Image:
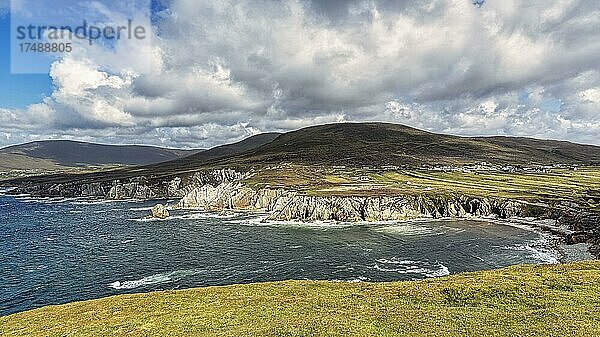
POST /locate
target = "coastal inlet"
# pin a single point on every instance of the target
(62, 250)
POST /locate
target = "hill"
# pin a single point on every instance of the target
(352, 144)
(216, 153)
(546, 300)
(379, 144)
(13, 161)
(55, 154)
(184, 164)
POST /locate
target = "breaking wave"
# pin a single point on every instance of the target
(161, 278)
(423, 268)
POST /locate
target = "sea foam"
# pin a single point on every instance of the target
(160, 278)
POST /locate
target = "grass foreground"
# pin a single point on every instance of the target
(546, 300)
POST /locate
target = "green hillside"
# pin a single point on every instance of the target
(378, 144)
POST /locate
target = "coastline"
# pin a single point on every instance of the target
(568, 252)
(223, 191)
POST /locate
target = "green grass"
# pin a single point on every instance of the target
(553, 300)
(581, 186)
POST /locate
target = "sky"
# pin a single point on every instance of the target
(218, 71)
(18, 91)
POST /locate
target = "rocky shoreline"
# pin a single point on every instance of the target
(225, 189)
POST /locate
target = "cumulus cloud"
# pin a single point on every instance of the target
(222, 70)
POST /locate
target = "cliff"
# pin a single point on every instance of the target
(291, 205)
(227, 189)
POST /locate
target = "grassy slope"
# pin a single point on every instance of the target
(554, 300)
(11, 161)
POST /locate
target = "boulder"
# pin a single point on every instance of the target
(160, 212)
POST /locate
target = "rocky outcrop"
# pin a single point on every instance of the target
(585, 226)
(160, 212)
(290, 205)
(141, 187)
(130, 191)
(229, 195)
(285, 205)
(311, 208)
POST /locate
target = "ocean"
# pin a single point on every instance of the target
(54, 251)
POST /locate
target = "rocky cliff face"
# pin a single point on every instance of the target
(585, 226)
(290, 205)
(284, 205)
(351, 209)
(229, 195)
(135, 188)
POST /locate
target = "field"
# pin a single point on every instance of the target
(581, 186)
(551, 300)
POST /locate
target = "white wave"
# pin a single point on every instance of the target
(4, 190)
(394, 260)
(408, 229)
(354, 280)
(96, 202)
(140, 209)
(442, 271)
(24, 197)
(75, 212)
(154, 279)
(127, 241)
(28, 201)
(54, 201)
(453, 229)
(317, 225)
(148, 219)
(426, 269)
(28, 198)
(536, 251)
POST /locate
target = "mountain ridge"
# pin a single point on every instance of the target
(380, 144)
(360, 145)
(67, 153)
